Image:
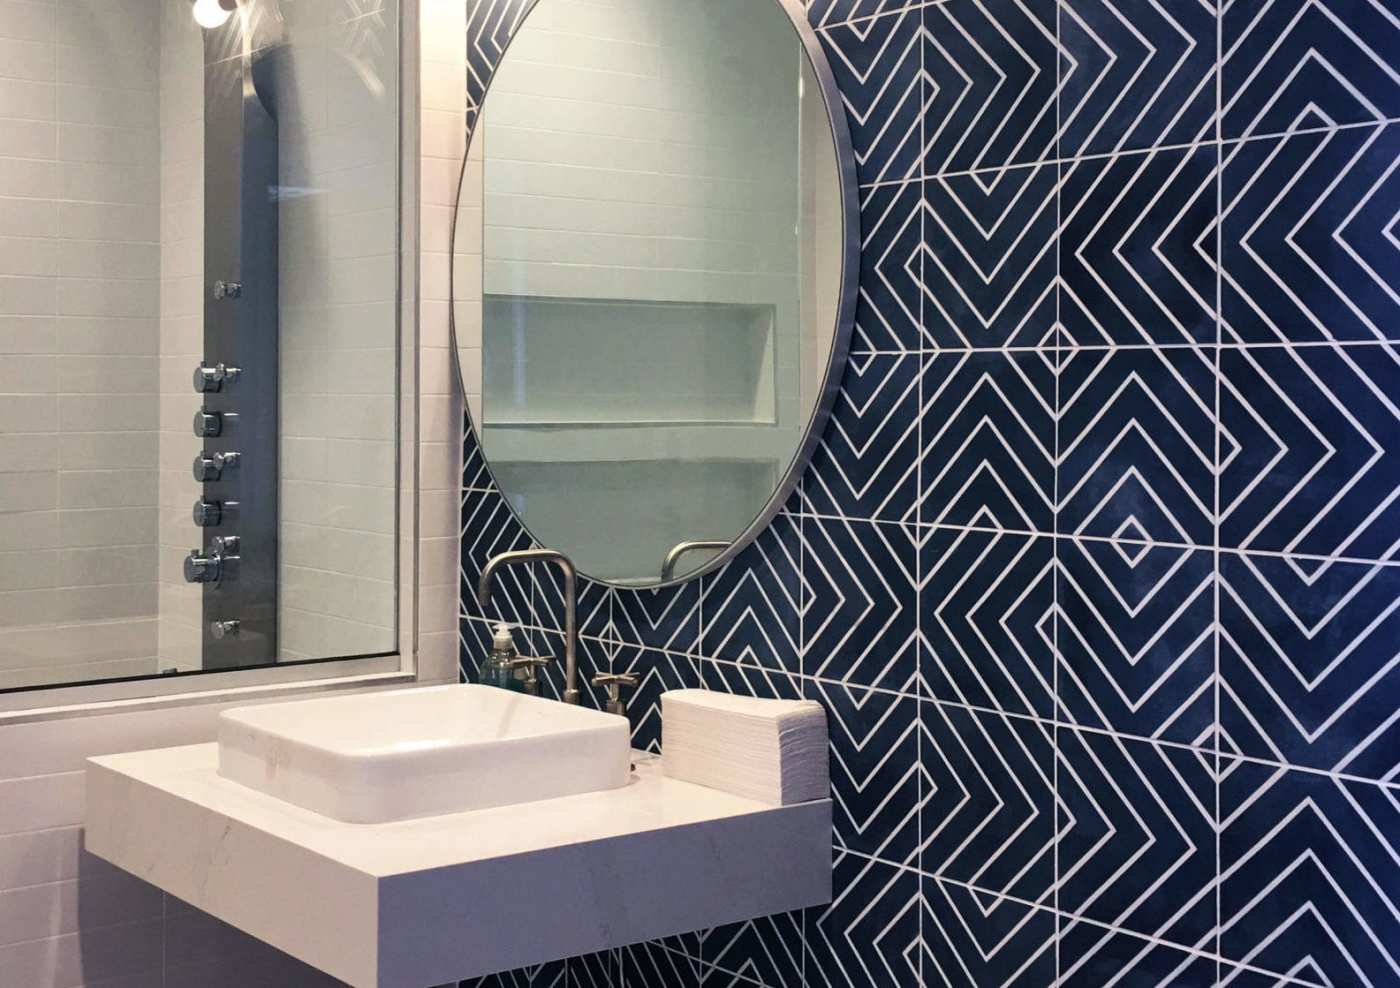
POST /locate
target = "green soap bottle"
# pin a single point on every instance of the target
(497, 669)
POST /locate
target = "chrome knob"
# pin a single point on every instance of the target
(226, 545)
(208, 378)
(207, 514)
(200, 568)
(211, 467)
(207, 423)
(225, 629)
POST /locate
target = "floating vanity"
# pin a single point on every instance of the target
(415, 902)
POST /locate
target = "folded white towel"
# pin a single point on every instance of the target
(770, 750)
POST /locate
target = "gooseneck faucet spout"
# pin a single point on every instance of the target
(565, 564)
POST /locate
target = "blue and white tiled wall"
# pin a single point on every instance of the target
(1097, 570)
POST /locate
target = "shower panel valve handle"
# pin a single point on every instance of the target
(207, 467)
(207, 379)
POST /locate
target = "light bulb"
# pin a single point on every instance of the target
(210, 13)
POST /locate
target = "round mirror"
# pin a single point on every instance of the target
(655, 250)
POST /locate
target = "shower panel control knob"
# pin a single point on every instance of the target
(208, 378)
(225, 629)
(207, 467)
(208, 514)
(207, 423)
(200, 568)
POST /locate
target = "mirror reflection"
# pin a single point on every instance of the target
(647, 276)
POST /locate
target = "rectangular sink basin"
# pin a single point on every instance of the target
(399, 755)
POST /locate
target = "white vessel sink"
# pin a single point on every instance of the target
(381, 757)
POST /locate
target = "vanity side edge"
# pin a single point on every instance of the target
(481, 917)
(319, 911)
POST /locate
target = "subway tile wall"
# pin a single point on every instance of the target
(79, 339)
(1095, 569)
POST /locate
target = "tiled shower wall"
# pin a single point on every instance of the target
(1095, 570)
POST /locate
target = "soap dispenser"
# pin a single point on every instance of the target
(498, 668)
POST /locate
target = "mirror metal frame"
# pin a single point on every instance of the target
(845, 311)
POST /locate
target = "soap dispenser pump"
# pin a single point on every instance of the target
(498, 668)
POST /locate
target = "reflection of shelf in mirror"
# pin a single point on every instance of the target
(574, 361)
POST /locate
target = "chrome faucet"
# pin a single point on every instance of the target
(524, 556)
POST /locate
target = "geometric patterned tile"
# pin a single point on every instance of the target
(1310, 450)
(988, 816)
(1137, 836)
(875, 778)
(989, 258)
(1310, 662)
(1307, 63)
(765, 951)
(986, 619)
(1093, 957)
(891, 269)
(991, 73)
(824, 12)
(868, 937)
(858, 606)
(876, 65)
(657, 673)
(988, 440)
(1137, 75)
(1308, 250)
(866, 464)
(1310, 875)
(1136, 638)
(1137, 248)
(653, 964)
(975, 941)
(1137, 445)
(750, 607)
(666, 619)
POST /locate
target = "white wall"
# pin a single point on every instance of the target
(79, 334)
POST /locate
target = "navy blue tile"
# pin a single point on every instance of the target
(1137, 445)
(989, 440)
(593, 601)
(875, 777)
(749, 679)
(1308, 662)
(891, 268)
(750, 606)
(1308, 250)
(1137, 836)
(656, 672)
(989, 267)
(991, 70)
(1307, 63)
(476, 475)
(858, 607)
(972, 940)
(1310, 450)
(488, 529)
(1309, 876)
(988, 818)
(1137, 75)
(825, 12)
(869, 936)
(866, 465)
(876, 63)
(655, 966)
(667, 618)
(600, 970)
(1137, 248)
(489, 30)
(594, 656)
(1136, 638)
(1092, 956)
(766, 951)
(986, 618)
(551, 975)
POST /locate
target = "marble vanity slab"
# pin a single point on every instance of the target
(425, 901)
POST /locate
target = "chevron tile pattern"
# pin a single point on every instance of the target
(1096, 569)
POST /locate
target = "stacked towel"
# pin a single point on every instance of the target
(770, 750)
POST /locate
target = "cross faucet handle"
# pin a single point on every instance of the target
(614, 681)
